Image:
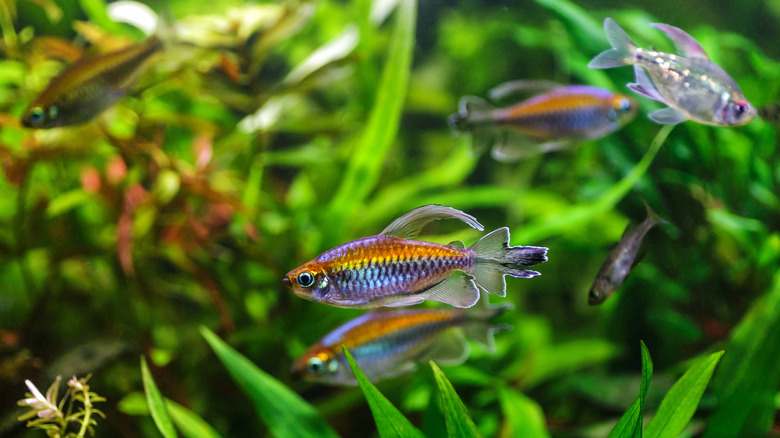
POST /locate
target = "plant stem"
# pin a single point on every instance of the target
(87, 414)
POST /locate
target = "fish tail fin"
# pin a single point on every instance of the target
(622, 48)
(478, 326)
(495, 259)
(653, 216)
(475, 115)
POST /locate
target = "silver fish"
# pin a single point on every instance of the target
(621, 259)
(691, 85)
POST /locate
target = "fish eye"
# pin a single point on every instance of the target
(740, 108)
(37, 115)
(315, 365)
(594, 296)
(305, 279)
(623, 105)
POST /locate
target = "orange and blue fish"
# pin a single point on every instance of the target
(546, 122)
(88, 86)
(385, 344)
(393, 269)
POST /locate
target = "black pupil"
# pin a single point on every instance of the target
(37, 115)
(315, 366)
(741, 108)
(305, 279)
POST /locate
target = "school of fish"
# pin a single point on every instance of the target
(394, 268)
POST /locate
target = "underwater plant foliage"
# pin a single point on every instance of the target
(260, 135)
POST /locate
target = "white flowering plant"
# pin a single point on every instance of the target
(55, 418)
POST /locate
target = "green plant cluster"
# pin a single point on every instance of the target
(274, 131)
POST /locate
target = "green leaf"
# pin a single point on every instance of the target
(189, 423)
(456, 416)
(390, 422)
(523, 416)
(156, 403)
(284, 412)
(749, 376)
(681, 401)
(365, 166)
(582, 213)
(630, 424)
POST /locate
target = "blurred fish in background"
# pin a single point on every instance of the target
(547, 122)
(693, 87)
(389, 343)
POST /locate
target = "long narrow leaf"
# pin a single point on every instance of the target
(365, 165)
(284, 412)
(390, 422)
(189, 423)
(681, 401)
(630, 424)
(156, 403)
(456, 416)
(749, 375)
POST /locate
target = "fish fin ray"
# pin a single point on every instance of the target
(451, 348)
(521, 86)
(405, 301)
(685, 44)
(495, 259)
(622, 48)
(458, 290)
(667, 116)
(412, 222)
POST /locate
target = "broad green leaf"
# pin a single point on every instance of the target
(365, 165)
(156, 403)
(581, 213)
(456, 416)
(523, 416)
(284, 412)
(586, 30)
(630, 424)
(749, 376)
(681, 401)
(390, 422)
(189, 423)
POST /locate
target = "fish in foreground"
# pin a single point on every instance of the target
(88, 86)
(693, 87)
(543, 123)
(392, 269)
(621, 259)
(385, 344)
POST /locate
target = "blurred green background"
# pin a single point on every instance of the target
(237, 158)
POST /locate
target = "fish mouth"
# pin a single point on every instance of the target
(287, 282)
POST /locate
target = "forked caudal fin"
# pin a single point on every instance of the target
(621, 51)
(495, 259)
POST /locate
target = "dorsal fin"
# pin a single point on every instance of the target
(410, 224)
(684, 43)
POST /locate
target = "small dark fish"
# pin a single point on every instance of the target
(621, 259)
(693, 87)
(545, 122)
(88, 86)
(393, 269)
(389, 343)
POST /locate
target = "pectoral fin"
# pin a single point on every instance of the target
(410, 224)
(667, 116)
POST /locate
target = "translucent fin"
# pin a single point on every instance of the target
(621, 51)
(478, 327)
(404, 301)
(457, 244)
(508, 152)
(457, 290)
(667, 116)
(684, 43)
(450, 348)
(410, 224)
(521, 86)
(644, 85)
(495, 258)
(472, 111)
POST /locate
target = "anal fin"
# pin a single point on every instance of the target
(458, 290)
